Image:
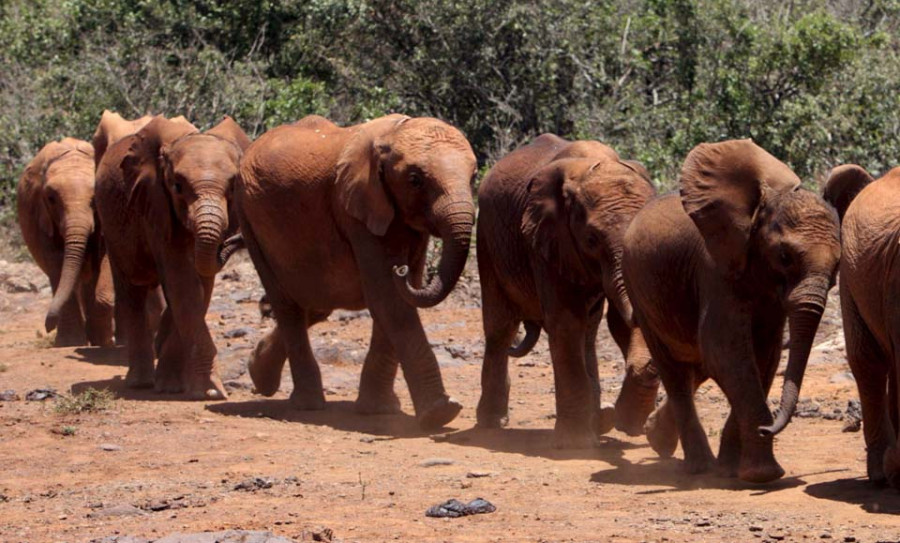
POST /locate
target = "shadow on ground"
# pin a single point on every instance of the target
(535, 442)
(338, 415)
(120, 390)
(859, 491)
(102, 356)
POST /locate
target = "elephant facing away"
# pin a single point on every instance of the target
(551, 224)
(713, 274)
(340, 218)
(163, 196)
(869, 288)
(56, 215)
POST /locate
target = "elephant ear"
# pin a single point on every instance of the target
(638, 168)
(843, 184)
(545, 222)
(142, 168)
(359, 180)
(32, 181)
(722, 187)
(229, 130)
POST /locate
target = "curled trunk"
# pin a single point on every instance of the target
(455, 226)
(76, 240)
(532, 333)
(807, 302)
(210, 221)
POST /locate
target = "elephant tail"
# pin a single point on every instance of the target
(532, 333)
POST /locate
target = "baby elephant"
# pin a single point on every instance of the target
(550, 230)
(713, 273)
(869, 290)
(56, 214)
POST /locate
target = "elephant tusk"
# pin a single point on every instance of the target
(401, 271)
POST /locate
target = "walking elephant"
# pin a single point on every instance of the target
(163, 196)
(869, 288)
(713, 274)
(550, 230)
(56, 215)
(340, 218)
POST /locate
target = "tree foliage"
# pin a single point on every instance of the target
(813, 81)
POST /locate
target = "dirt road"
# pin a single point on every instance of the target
(151, 466)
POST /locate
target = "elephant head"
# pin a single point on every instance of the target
(843, 184)
(63, 175)
(765, 234)
(416, 172)
(191, 174)
(576, 215)
(112, 128)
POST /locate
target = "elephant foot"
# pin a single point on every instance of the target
(264, 371)
(875, 460)
(573, 435)
(604, 420)
(891, 466)
(307, 400)
(700, 463)
(139, 377)
(491, 416)
(439, 413)
(371, 404)
(69, 341)
(206, 388)
(761, 472)
(661, 434)
(168, 383)
(727, 465)
(629, 424)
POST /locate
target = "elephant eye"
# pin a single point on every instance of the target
(416, 180)
(785, 258)
(593, 240)
(176, 186)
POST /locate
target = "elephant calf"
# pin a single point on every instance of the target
(163, 198)
(552, 219)
(713, 273)
(55, 210)
(870, 287)
(327, 214)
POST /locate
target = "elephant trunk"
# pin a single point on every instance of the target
(807, 303)
(614, 284)
(532, 333)
(230, 246)
(76, 240)
(455, 222)
(210, 222)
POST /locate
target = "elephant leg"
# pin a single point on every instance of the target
(376, 384)
(131, 299)
(99, 302)
(574, 395)
(267, 362)
(188, 298)
(156, 305)
(637, 398)
(172, 352)
(500, 327)
(604, 418)
(70, 331)
(308, 394)
(400, 323)
(680, 383)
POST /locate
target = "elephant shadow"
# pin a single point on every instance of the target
(339, 415)
(669, 474)
(121, 391)
(535, 442)
(858, 490)
(101, 356)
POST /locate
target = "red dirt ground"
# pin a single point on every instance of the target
(175, 465)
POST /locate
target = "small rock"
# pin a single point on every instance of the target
(41, 394)
(237, 332)
(234, 384)
(465, 484)
(124, 510)
(109, 447)
(9, 396)
(755, 528)
(431, 462)
(454, 508)
(229, 536)
(853, 417)
(777, 535)
(702, 523)
(842, 377)
(477, 474)
(254, 484)
(322, 534)
(849, 539)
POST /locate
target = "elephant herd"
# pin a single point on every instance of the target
(697, 284)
